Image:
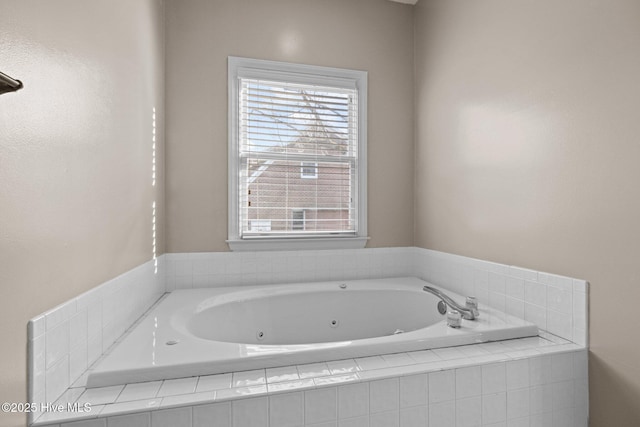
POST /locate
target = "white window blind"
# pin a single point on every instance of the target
(286, 130)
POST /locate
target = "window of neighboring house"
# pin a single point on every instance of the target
(289, 123)
(297, 218)
(308, 170)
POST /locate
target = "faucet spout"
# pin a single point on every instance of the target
(470, 312)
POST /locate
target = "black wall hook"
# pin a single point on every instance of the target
(8, 84)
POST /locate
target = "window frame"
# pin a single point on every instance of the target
(294, 73)
(313, 165)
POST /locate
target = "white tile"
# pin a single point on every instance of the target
(469, 412)
(59, 314)
(78, 329)
(562, 366)
(286, 410)
(497, 283)
(494, 378)
(535, 293)
(540, 370)
(213, 382)
(541, 420)
(384, 395)
(69, 396)
(171, 417)
(238, 392)
(519, 422)
(139, 391)
(415, 416)
(442, 414)
(468, 382)
(188, 399)
(312, 370)
(580, 286)
(100, 422)
(371, 363)
(212, 415)
(413, 390)
(250, 412)
(424, 356)
(580, 364)
(327, 424)
(354, 422)
(442, 386)
(287, 373)
(562, 417)
(77, 362)
(353, 400)
(94, 348)
(498, 301)
(560, 300)
(580, 310)
(300, 385)
(385, 419)
(563, 395)
(343, 366)
(523, 273)
(514, 307)
(560, 324)
(517, 374)
(57, 379)
(101, 395)
(36, 327)
(37, 370)
(540, 399)
(249, 378)
(449, 353)
(321, 405)
(336, 379)
(177, 386)
(515, 287)
(494, 408)
(57, 343)
(518, 403)
(398, 359)
(133, 420)
(128, 407)
(536, 315)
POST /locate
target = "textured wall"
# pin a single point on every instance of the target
(75, 157)
(526, 154)
(371, 35)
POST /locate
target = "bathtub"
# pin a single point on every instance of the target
(209, 331)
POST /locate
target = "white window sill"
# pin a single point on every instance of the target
(316, 243)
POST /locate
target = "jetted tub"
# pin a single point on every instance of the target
(209, 331)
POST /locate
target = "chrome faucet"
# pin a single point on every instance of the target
(469, 312)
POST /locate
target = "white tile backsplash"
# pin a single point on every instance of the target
(67, 339)
(72, 336)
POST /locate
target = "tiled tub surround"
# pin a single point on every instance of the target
(537, 382)
(67, 339)
(554, 303)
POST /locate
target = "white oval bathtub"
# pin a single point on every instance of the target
(209, 331)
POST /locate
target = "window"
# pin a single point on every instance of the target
(297, 156)
(297, 219)
(308, 170)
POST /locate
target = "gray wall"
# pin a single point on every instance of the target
(527, 148)
(371, 35)
(75, 157)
